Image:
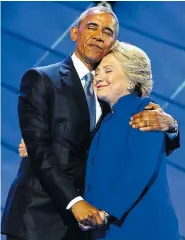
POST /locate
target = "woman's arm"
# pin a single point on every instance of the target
(144, 151)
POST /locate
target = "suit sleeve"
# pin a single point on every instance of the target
(34, 120)
(172, 144)
(135, 171)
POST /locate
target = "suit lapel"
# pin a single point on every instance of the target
(70, 77)
(105, 110)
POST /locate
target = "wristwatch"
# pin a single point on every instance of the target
(173, 128)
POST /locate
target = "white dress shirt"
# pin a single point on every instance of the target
(82, 70)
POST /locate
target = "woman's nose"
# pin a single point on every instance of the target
(98, 81)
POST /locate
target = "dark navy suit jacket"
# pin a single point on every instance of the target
(121, 162)
(54, 121)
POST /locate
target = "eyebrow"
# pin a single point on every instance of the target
(97, 69)
(107, 66)
(96, 25)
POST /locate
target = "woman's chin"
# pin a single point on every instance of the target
(102, 97)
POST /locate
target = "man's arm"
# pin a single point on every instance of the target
(33, 110)
(34, 119)
(153, 118)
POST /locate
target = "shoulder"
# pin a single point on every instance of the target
(41, 75)
(48, 70)
(143, 102)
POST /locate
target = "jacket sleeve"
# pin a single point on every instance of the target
(34, 120)
(172, 144)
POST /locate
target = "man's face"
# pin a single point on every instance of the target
(94, 37)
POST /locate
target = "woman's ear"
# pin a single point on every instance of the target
(131, 87)
(74, 33)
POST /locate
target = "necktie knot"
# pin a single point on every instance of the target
(88, 77)
(88, 83)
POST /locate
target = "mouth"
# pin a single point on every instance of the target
(95, 46)
(101, 86)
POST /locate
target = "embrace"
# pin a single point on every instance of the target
(94, 157)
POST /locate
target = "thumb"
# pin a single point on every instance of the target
(152, 106)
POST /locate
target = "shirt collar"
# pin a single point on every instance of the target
(81, 69)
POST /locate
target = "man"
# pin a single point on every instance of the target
(58, 112)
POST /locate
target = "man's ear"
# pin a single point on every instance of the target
(74, 33)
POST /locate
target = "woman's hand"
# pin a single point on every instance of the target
(22, 149)
(93, 224)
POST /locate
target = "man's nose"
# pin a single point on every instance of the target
(98, 36)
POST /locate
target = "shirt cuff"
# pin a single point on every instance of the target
(172, 135)
(73, 202)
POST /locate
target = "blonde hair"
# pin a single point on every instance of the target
(98, 9)
(137, 66)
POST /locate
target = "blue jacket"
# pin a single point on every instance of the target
(120, 164)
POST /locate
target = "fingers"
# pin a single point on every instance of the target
(86, 219)
(86, 214)
(145, 129)
(98, 218)
(23, 154)
(144, 115)
(146, 121)
(102, 215)
(91, 219)
(153, 124)
(22, 149)
(152, 106)
(84, 228)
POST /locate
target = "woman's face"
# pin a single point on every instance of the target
(110, 81)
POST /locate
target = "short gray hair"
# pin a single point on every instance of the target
(137, 66)
(98, 9)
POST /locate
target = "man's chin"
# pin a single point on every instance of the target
(93, 59)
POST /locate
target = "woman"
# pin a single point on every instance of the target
(124, 162)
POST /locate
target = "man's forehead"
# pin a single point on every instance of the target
(99, 16)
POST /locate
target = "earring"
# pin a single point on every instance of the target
(131, 87)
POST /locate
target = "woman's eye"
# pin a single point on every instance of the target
(108, 71)
(108, 33)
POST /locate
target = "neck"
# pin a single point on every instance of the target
(90, 66)
(114, 101)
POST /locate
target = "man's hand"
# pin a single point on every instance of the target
(153, 118)
(90, 227)
(22, 149)
(86, 213)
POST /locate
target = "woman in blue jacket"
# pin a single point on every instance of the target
(123, 162)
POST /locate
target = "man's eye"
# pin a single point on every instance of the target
(108, 33)
(108, 71)
(92, 27)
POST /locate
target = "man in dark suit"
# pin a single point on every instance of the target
(59, 113)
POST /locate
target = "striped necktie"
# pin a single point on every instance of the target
(90, 96)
